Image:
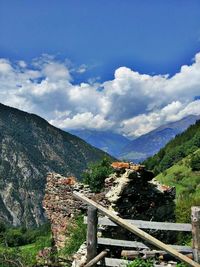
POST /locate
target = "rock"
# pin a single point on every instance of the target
(79, 258)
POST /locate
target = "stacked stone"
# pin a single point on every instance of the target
(61, 206)
(132, 194)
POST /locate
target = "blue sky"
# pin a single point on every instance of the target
(149, 36)
(89, 41)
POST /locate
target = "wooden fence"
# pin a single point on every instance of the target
(188, 255)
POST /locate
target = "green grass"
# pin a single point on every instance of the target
(147, 263)
(76, 236)
(140, 263)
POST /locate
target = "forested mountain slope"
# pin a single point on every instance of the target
(29, 148)
(185, 176)
(178, 148)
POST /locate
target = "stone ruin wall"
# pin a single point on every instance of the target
(60, 205)
(129, 191)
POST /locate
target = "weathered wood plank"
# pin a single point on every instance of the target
(183, 227)
(195, 218)
(135, 244)
(133, 254)
(121, 243)
(91, 233)
(132, 228)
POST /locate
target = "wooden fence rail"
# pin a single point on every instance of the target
(135, 228)
(165, 226)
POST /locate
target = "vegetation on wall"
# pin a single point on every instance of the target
(96, 173)
(76, 233)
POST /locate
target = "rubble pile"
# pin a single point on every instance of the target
(133, 194)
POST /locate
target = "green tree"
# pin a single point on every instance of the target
(14, 237)
(95, 175)
(195, 162)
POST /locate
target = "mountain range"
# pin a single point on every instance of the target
(107, 141)
(29, 148)
(141, 147)
(150, 143)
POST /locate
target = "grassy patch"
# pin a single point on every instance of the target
(77, 235)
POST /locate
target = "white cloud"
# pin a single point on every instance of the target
(83, 121)
(82, 69)
(55, 71)
(22, 64)
(5, 67)
(132, 103)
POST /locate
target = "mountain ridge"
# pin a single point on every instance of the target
(140, 148)
(175, 150)
(29, 148)
(105, 140)
(150, 143)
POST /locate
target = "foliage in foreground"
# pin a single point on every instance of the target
(19, 246)
(96, 174)
(147, 263)
(140, 263)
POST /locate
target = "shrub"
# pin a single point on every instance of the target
(195, 162)
(96, 174)
(14, 237)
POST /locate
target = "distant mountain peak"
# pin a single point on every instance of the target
(107, 141)
(150, 143)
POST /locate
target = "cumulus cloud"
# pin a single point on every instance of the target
(80, 120)
(131, 103)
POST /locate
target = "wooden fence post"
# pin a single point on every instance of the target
(92, 233)
(195, 218)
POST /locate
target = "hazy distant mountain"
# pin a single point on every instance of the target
(107, 141)
(150, 143)
(29, 148)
